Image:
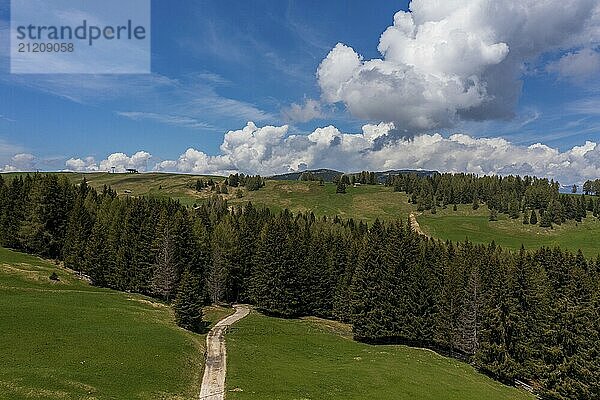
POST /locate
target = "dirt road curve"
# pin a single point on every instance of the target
(213, 381)
(415, 225)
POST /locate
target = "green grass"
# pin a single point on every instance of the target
(364, 203)
(66, 339)
(361, 203)
(275, 359)
(510, 233)
(157, 185)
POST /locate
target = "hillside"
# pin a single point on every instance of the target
(474, 225)
(367, 203)
(274, 359)
(65, 339)
(328, 175)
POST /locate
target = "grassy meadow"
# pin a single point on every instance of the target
(364, 203)
(361, 203)
(65, 339)
(474, 225)
(276, 359)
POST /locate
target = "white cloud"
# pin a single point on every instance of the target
(578, 66)
(121, 161)
(311, 109)
(585, 107)
(20, 162)
(451, 60)
(174, 120)
(189, 101)
(4, 118)
(9, 168)
(271, 150)
(88, 164)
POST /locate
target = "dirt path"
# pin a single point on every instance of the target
(213, 381)
(415, 225)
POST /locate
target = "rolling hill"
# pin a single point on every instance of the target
(367, 203)
(64, 339)
(311, 358)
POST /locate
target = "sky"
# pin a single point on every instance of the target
(272, 86)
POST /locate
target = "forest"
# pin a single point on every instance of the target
(531, 315)
(514, 196)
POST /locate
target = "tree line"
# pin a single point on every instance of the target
(529, 315)
(592, 187)
(515, 196)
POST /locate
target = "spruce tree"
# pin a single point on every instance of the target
(546, 220)
(275, 286)
(533, 220)
(475, 205)
(371, 290)
(165, 276)
(79, 227)
(188, 304)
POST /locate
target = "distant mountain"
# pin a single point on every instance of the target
(381, 176)
(329, 175)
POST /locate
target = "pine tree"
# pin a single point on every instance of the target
(165, 277)
(275, 286)
(248, 232)
(513, 210)
(496, 351)
(546, 220)
(475, 202)
(79, 227)
(13, 213)
(533, 220)
(371, 290)
(341, 187)
(470, 317)
(223, 272)
(188, 304)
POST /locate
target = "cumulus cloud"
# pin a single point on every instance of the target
(271, 150)
(20, 162)
(87, 164)
(578, 66)
(311, 109)
(119, 161)
(447, 60)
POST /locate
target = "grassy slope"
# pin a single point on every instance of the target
(366, 203)
(70, 340)
(159, 185)
(362, 203)
(474, 225)
(271, 358)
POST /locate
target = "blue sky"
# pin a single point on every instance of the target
(217, 65)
